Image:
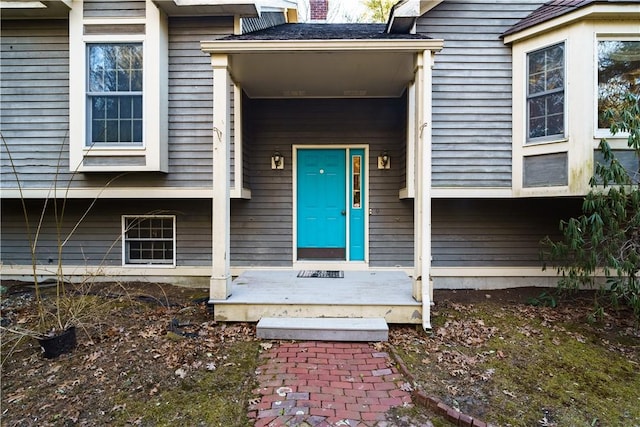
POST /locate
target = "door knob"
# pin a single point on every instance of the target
(343, 212)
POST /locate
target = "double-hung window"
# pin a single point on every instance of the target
(149, 239)
(618, 74)
(114, 94)
(545, 94)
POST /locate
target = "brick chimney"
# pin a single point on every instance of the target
(318, 10)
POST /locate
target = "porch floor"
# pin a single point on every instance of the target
(280, 293)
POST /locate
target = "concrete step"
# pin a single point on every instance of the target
(323, 328)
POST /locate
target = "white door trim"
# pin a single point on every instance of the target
(321, 264)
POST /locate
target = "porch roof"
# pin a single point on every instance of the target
(322, 60)
(559, 8)
(325, 32)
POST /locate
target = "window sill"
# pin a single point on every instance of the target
(606, 133)
(143, 265)
(121, 159)
(546, 142)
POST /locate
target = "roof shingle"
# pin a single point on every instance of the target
(553, 9)
(325, 32)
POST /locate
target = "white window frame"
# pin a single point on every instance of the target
(148, 263)
(547, 138)
(598, 131)
(152, 155)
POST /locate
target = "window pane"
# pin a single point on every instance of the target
(125, 108)
(112, 108)
(112, 127)
(618, 73)
(98, 107)
(98, 130)
(555, 57)
(123, 81)
(537, 107)
(137, 131)
(96, 68)
(536, 62)
(536, 128)
(555, 79)
(125, 130)
(136, 80)
(136, 101)
(555, 103)
(555, 124)
(537, 83)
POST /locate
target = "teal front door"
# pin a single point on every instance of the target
(325, 213)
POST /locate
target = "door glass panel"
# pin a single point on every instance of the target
(355, 182)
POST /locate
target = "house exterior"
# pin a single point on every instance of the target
(191, 141)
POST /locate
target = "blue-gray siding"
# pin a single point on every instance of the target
(114, 8)
(34, 100)
(469, 233)
(472, 91)
(495, 232)
(191, 99)
(34, 106)
(97, 241)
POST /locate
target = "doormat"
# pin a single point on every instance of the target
(322, 274)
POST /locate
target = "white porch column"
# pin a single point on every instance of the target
(422, 207)
(220, 285)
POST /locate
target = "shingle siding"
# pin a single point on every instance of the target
(34, 106)
(472, 91)
(495, 232)
(191, 99)
(97, 239)
(114, 8)
(34, 100)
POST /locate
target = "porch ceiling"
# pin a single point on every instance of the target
(21, 9)
(325, 74)
(322, 68)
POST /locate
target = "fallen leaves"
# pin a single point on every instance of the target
(468, 332)
(131, 355)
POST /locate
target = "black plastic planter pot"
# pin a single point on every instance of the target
(58, 344)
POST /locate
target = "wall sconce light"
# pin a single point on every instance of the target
(277, 160)
(384, 161)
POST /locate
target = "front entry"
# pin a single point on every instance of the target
(330, 204)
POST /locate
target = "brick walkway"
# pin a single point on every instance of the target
(324, 384)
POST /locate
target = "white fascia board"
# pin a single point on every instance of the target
(16, 4)
(112, 193)
(427, 5)
(471, 192)
(212, 2)
(604, 11)
(407, 9)
(275, 5)
(22, 5)
(337, 45)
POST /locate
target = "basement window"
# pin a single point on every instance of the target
(149, 240)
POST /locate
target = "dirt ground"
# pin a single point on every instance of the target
(148, 345)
